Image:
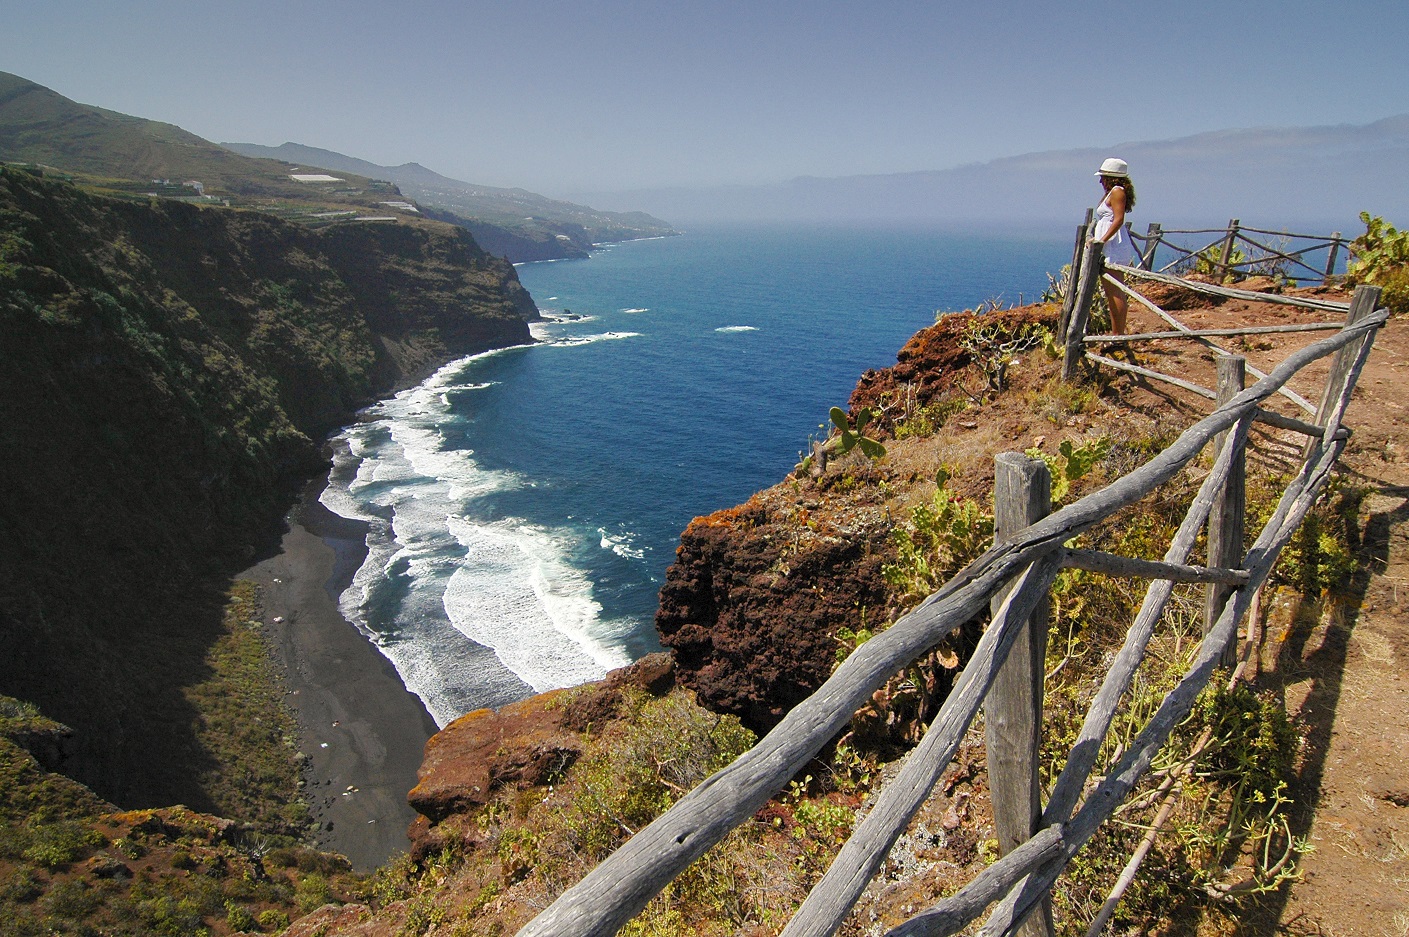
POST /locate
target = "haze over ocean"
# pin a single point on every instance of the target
(526, 503)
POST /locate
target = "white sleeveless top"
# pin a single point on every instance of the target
(1118, 250)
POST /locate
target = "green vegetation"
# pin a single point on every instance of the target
(993, 345)
(532, 843)
(850, 436)
(245, 726)
(1071, 463)
(70, 864)
(167, 369)
(1381, 258)
(941, 538)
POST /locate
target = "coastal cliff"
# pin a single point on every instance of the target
(169, 371)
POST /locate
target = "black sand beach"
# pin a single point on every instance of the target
(363, 732)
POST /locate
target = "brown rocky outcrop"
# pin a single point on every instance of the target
(753, 602)
(752, 606)
(935, 359)
(525, 744)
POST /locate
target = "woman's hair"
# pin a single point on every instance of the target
(1129, 187)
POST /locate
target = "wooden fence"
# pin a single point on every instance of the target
(1011, 581)
(1221, 255)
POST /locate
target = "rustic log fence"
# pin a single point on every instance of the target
(1221, 254)
(1011, 581)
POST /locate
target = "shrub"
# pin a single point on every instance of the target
(1381, 258)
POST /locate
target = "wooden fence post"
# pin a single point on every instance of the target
(1225, 261)
(1083, 230)
(1331, 257)
(1022, 495)
(1152, 237)
(1225, 520)
(1362, 302)
(1092, 266)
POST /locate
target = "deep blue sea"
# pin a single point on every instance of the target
(524, 504)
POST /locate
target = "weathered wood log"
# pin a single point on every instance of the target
(1152, 242)
(1273, 418)
(1291, 510)
(1091, 262)
(1073, 274)
(1121, 672)
(988, 886)
(1112, 564)
(1203, 333)
(1153, 375)
(1331, 257)
(1294, 257)
(951, 915)
(1213, 289)
(1217, 349)
(856, 864)
(1225, 522)
(1022, 495)
(1227, 253)
(1362, 304)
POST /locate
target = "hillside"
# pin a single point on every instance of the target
(765, 597)
(169, 372)
(133, 156)
(514, 223)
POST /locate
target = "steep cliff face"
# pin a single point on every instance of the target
(756, 595)
(763, 599)
(167, 372)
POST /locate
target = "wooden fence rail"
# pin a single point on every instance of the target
(1220, 253)
(1027, 558)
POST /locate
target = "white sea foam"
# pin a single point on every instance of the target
(737, 328)
(635, 310)
(514, 592)
(574, 340)
(622, 544)
(434, 577)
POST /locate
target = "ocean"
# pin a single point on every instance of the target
(524, 504)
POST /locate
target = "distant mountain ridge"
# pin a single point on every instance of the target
(521, 224)
(133, 157)
(1276, 176)
(38, 125)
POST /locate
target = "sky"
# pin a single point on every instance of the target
(582, 96)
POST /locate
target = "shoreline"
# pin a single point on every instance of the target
(362, 732)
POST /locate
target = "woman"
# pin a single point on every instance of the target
(1109, 231)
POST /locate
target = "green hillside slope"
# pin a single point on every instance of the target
(168, 370)
(516, 223)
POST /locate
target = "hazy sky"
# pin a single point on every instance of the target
(567, 97)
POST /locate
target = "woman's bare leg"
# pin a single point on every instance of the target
(1116, 302)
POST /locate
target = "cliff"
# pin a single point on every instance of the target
(762, 596)
(169, 371)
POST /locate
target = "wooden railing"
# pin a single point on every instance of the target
(1220, 254)
(1011, 581)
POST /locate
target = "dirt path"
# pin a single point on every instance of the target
(1345, 676)
(1343, 667)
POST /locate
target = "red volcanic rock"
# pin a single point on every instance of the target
(485, 750)
(525, 744)
(934, 359)
(753, 601)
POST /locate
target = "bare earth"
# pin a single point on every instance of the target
(1342, 668)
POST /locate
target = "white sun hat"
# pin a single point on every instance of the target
(1114, 167)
